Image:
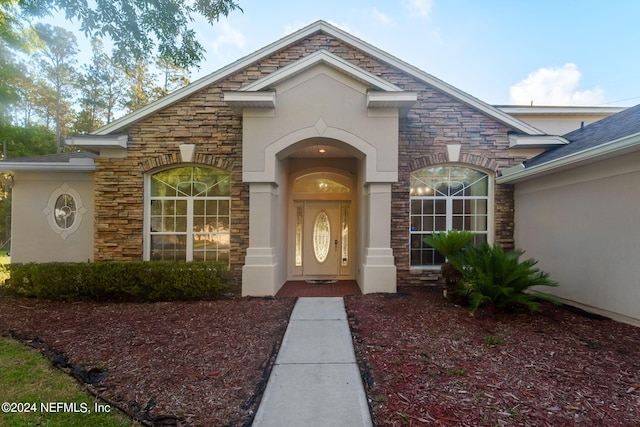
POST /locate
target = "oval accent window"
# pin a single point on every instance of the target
(65, 211)
(321, 236)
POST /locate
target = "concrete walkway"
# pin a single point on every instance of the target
(315, 380)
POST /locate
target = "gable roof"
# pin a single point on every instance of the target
(608, 137)
(121, 124)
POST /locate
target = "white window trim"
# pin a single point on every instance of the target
(490, 197)
(48, 210)
(146, 221)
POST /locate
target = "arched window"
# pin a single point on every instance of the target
(445, 198)
(189, 214)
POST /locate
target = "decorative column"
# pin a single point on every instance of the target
(378, 269)
(259, 273)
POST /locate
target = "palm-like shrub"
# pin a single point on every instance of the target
(450, 245)
(491, 275)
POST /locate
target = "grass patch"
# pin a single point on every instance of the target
(456, 372)
(39, 395)
(5, 260)
(492, 340)
(4, 256)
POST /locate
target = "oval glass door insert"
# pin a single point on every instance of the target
(321, 236)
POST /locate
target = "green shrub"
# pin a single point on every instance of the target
(491, 275)
(450, 245)
(119, 281)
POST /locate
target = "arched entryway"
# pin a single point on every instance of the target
(322, 220)
(289, 116)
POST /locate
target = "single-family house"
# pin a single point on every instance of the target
(317, 156)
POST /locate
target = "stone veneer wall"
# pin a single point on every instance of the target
(434, 122)
(206, 121)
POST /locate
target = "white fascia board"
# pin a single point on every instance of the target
(96, 142)
(322, 56)
(512, 170)
(611, 149)
(239, 100)
(124, 122)
(72, 166)
(559, 111)
(536, 141)
(403, 101)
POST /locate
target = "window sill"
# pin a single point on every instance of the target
(425, 268)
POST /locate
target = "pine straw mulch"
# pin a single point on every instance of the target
(426, 361)
(178, 363)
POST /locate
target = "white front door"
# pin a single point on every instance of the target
(322, 241)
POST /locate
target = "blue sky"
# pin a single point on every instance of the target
(560, 52)
(549, 52)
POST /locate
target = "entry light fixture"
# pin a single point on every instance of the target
(322, 150)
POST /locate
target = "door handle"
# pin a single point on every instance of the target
(335, 244)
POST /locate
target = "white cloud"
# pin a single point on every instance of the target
(419, 8)
(344, 27)
(437, 35)
(382, 18)
(555, 86)
(292, 27)
(227, 36)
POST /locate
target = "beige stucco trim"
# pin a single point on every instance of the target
(280, 148)
(324, 57)
(273, 139)
(536, 141)
(241, 100)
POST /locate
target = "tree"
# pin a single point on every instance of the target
(142, 89)
(91, 91)
(174, 77)
(34, 140)
(10, 74)
(57, 62)
(103, 84)
(115, 85)
(19, 142)
(138, 28)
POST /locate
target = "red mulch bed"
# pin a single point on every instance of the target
(428, 362)
(425, 360)
(200, 363)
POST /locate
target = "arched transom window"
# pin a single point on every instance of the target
(445, 198)
(189, 215)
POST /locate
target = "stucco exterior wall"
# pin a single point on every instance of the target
(583, 227)
(40, 241)
(558, 124)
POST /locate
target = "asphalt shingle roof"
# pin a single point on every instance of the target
(620, 125)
